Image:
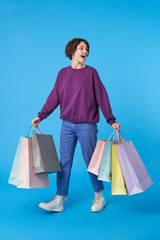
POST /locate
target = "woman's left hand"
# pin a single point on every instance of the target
(117, 126)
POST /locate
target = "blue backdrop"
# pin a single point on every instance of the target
(124, 39)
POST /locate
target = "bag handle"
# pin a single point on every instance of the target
(29, 131)
(40, 129)
(118, 136)
(112, 134)
(115, 136)
(117, 133)
(123, 135)
(33, 129)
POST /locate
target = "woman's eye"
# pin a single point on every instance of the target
(82, 49)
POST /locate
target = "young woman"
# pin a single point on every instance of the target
(80, 92)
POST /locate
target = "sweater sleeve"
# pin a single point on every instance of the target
(102, 99)
(52, 101)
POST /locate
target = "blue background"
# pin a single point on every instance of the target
(124, 39)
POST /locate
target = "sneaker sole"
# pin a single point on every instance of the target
(99, 210)
(55, 210)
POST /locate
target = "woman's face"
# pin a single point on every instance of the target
(81, 52)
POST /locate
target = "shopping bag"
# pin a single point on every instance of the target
(95, 161)
(26, 176)
(44, 154)
(118, 182)
(105, 169)
(135, 174)
(13, 178)
(104, 173)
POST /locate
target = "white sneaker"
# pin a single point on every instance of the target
(98, 203)
(55, 205)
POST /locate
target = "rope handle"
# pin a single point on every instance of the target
(123, 135)
(112, 134)
(34, 130)
(29, 131)
(117, 135)
(41, 130)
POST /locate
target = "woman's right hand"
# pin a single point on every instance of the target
(35, 122)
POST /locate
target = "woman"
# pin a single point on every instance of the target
(80, 92)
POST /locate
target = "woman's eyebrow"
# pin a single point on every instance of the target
(82, 45)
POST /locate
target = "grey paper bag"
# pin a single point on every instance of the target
(44, 154)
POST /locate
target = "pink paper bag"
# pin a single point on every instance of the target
(26, 177)
(95, 161)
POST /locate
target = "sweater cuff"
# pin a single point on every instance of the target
(111, 121)
(40, 116)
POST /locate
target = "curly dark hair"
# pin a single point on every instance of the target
(72, 46)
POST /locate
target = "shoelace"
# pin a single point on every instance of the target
(56, 198)
(97, 198)
(66, 198)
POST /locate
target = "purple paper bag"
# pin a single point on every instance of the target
(135, 174)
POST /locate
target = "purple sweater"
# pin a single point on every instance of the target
(80, 93)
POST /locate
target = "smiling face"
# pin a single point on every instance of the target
(81, 53)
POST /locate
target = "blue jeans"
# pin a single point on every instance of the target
(86, 133)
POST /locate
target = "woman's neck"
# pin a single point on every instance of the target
(77, 65)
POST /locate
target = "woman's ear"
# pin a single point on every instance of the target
(72, 55)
